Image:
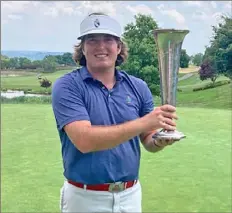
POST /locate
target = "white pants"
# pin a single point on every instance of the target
(74, 199)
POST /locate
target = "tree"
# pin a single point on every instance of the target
(197, 59)
(220, 49)
(207, 71)
(49, 63)
(4, 62)
(184, 59)
(67, 59)
(14, 63)
(142, 60)
(24, 63)
(37, 63)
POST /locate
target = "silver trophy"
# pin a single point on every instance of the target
(169, 43)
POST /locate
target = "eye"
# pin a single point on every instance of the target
(92, 39)
(109, 39)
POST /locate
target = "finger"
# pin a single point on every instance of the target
(170, 141)
(169, 122)
(168, 127)
(163, 142)
(168, 108)
(166, 142)
(169, 115)
(157, 143)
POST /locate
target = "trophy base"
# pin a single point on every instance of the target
(164, 134)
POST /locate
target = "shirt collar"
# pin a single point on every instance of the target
(85, 74)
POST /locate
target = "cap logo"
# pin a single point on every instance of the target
(96, 23)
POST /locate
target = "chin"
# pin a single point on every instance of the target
(103, 65)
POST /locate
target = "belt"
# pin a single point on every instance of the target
(111, 187)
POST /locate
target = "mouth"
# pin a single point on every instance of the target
(101, 55)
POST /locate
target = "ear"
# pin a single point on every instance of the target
(83, 51)
(119, 47)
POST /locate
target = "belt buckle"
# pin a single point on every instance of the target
(116, 187)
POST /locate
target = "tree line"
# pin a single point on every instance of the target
(48, 64)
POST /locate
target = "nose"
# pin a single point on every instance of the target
(100, 43)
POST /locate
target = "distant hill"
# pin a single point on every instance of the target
(32, 55)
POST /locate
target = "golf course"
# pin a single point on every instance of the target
(192, 175)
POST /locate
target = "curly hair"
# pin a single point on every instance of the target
(80, 59)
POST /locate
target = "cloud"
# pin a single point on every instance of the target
(4, 21)
(228, 5)
(64, 8)
(212, 19)
(213, 4)
(200, 16)
(143, 9)
(87, 7)
(194, 3)
(15, 10)
(179, 18)
(14, 17)
(216, 18)
(15, 6)
(52, 11)
(173, 13)
(160, 7)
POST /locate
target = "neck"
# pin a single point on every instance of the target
(106, 76)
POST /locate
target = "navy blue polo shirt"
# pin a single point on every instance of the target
(77, 96)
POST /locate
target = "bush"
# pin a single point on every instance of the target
(155, 89)
(24, 99)
(44, 82)
(212, 85)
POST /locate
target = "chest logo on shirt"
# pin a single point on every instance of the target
(128, 99)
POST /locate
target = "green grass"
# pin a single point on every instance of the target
(193, 175)
(218, 97)
(30, 83)
(190, 69)
(27, 100)
(194, 81)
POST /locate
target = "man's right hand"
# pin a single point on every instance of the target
(162, 117)
(88, 138)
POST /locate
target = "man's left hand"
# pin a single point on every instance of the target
(164, 142)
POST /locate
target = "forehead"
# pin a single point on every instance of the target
(100, 35)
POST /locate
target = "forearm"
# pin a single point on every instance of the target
(95, 138)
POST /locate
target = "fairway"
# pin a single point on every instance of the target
(30, 82)
(193, 175)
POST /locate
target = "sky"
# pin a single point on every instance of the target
(54, 25)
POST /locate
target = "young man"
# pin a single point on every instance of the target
(102, 114)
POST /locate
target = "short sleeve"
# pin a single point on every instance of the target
(67, 103)
(147, 100)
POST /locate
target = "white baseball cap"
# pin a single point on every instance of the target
(96, 24)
